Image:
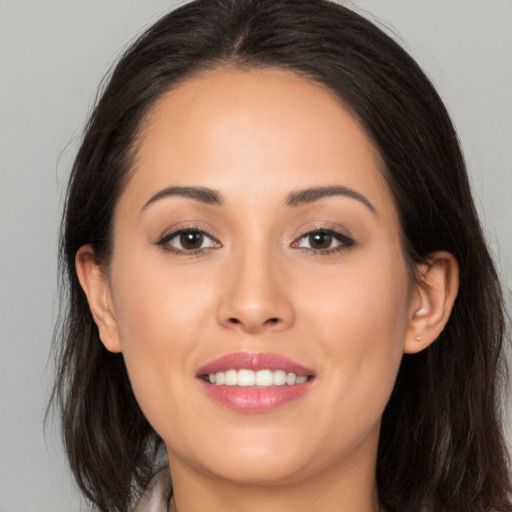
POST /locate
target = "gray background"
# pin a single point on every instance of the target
(53, 54)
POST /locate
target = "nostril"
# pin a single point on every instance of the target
(272, 321)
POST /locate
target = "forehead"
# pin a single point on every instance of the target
(262, 130)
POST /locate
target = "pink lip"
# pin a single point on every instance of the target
(254, 400)
(255, 362)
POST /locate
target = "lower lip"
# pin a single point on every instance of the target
(255, 400)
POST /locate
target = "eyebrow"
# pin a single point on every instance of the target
(300, 197)
(205, 195)
(310, 195)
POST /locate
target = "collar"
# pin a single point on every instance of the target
(157, 494)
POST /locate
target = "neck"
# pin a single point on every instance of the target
(173, 508)
(349, 490)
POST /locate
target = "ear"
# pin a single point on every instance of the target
(96, 286)
(432, 301)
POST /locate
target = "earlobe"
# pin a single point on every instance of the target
(96, 287)
(432, 303)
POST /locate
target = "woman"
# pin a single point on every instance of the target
(277, 274)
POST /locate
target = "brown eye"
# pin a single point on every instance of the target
(191, 240)
(324, 241)
(188, 241)
(320, 240)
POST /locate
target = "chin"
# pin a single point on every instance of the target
(250, 462)
(261, 470)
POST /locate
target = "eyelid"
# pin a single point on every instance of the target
(345, 241)
(166, 238)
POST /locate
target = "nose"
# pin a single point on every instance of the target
(255, 296)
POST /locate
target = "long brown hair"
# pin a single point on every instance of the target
(441, 445)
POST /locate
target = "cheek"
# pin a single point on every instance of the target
(157, 301)
(158, 315)
(154, 311)
(360, 322)
(365, 300)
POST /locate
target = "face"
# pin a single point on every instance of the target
(257, 238)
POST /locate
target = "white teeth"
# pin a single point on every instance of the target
(264, 378)
(246, 378)
(261, 378)
(231, 378)
(279, 378)
(290, 379)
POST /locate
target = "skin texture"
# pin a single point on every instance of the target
(254, 137)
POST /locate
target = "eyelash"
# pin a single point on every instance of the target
(345, 242)
(164, 241)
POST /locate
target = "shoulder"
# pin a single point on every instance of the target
(156, 496)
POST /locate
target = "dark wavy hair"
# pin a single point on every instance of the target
(441, 445)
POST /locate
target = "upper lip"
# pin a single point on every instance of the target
(255, 362)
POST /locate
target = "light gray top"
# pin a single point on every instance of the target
(156, 496)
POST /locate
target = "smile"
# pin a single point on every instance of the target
(254, 383)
